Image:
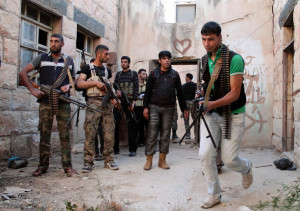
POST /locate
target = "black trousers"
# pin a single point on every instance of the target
(132, 131)
(142, 123)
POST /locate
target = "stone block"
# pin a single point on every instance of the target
(14, 6)
(34, 105)
(4, 148)
(101, 3)
(296, 84)
(8, 76)
(69, 47)
(11, 50)
(3, 4)
(277, 127)
(20, 100)
(88, 6)
(1, 48)
(69, 28)
(297, 133)
(297, 60)
(7, 29)
(10, 122)
(78, 3)
(5, 99)
(111, 22)
(277, 91)
(277, 109)
(297, 108)
(100, 15)
(70, 13)
(30, 121)
(277, 143)
(21, 146)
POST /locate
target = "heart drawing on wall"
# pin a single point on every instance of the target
(182, 46)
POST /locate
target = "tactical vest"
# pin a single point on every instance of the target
(127, 86)
(50, 70)
(216, 92)
(142, 89)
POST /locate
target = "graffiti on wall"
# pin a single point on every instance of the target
(182, 46)
(255, 96)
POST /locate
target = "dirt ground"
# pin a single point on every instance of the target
(131, 188)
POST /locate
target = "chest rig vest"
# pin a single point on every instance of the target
(94, 91)
(142, 89)
(222, 87)
(126, 86)
(54, 73)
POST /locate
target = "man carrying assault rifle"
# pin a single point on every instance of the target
(53, 68)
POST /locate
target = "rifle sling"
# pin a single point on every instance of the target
(213, 77)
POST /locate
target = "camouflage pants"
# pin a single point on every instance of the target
(45, 128)
(190, 105)
(92, 119)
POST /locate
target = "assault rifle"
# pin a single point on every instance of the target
(46, 89)
(110, 95)
(126, 104)
(200, 110)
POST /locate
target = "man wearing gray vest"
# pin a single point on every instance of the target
(50, 66)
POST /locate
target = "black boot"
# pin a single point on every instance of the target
(175, 138)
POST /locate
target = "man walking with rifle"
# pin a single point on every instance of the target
(53, 67)
(93, 79)
(127, 87)
(224, 105)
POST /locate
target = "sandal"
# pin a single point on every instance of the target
(71, 172)
(39, 172)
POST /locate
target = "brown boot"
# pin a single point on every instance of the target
(148, 164)
(162, 161)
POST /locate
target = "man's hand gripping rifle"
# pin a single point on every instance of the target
(47, 89)
(200, 110)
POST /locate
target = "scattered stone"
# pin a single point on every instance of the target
(244, 208)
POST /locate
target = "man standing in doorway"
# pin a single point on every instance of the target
(128, 81)
(92, 118)
(189, 90)
(159, 107)
(50, 66)
(225, 112)
(142, 122)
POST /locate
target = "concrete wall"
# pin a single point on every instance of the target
(18, 109)
(247, 29)
(282, 35)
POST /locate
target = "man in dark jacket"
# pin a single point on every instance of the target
(159, 104)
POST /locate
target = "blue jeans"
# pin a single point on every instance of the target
(229, 149)
(160, 121)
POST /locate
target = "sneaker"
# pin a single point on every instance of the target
(210, 201)
(111, 166)
(86, 168)
(132, 154)
(99, 157)
(71, 172)
(247, 179)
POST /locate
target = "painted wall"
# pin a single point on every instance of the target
(247, 29)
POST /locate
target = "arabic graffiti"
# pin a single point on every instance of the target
(255, 96)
